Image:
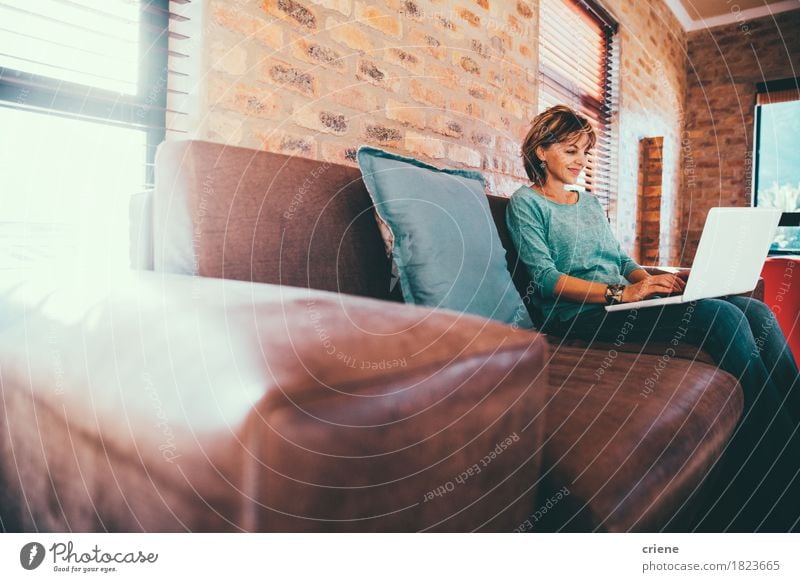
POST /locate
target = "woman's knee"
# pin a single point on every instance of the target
(754, 309)
(716, 312)
(727, 335)
(721, 320)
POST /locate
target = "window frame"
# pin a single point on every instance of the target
(790, 219)
(145, 111)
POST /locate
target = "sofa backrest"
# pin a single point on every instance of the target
(519, 273)
(236, 213)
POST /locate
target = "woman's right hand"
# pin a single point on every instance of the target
(654, 285)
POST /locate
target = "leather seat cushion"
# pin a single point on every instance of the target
(633, 444)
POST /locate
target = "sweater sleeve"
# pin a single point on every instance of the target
(626, 264)
(527, 232)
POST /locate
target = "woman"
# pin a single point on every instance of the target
(577, 267)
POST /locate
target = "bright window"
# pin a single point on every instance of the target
(777, 172)
(82, 108)
(66, 186)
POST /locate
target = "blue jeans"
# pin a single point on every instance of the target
(758, 476)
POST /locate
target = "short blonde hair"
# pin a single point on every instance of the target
(557, 124)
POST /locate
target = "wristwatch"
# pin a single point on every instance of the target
(614, 293)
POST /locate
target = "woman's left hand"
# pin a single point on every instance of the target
(654, 285)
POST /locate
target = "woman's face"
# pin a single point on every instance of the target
(566, 159)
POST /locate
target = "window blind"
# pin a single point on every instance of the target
(779, 91)
(578, 68)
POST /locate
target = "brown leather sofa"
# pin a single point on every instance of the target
(159, 402)
(629, 459)
(266, 377)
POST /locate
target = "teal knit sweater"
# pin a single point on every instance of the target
(564, 239)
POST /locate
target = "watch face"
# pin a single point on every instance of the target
(614, 293)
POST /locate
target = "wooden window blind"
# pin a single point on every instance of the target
(577, 67)
(779, 91)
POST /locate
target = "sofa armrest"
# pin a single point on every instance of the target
(172, 403)
(140, 214)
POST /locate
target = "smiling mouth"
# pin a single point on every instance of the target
(576, 172)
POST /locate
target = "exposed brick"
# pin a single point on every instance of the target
(526, 91)
(415, 98)
(468, 64)
(649, 198)
(382, 134)
(464, 155)
(338, 153)
(514, 24)
(451, 29)
(424, 145)
(225, 127)
(262, 30)
(350, 35)
(230, 59)
(421, 40)
(497, 78)
(405, 113)
(446, 126)
(256, 102)
(479, 48)
(653, 217)
(287, 143)
(424, 93)
(411, 9)
(377, 19)
(407, 60)
(343, 6)
(503, 185)
(501, 41)
(507, 146)
(469, 16)
(518, 169)
(479, 92)
(312, 52)
(482, 139)
(652, 203)
(443, 76)
(291, 11)
(524, 10)
(370, 72)
(324, 121)
(467, 107)
(291, 78)
(356, 98)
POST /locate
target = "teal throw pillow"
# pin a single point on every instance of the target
(446, 247)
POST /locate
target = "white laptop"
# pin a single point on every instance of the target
(729, 258)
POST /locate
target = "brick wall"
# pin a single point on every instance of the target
(724, 66)
(652, 89)
(452, 82)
